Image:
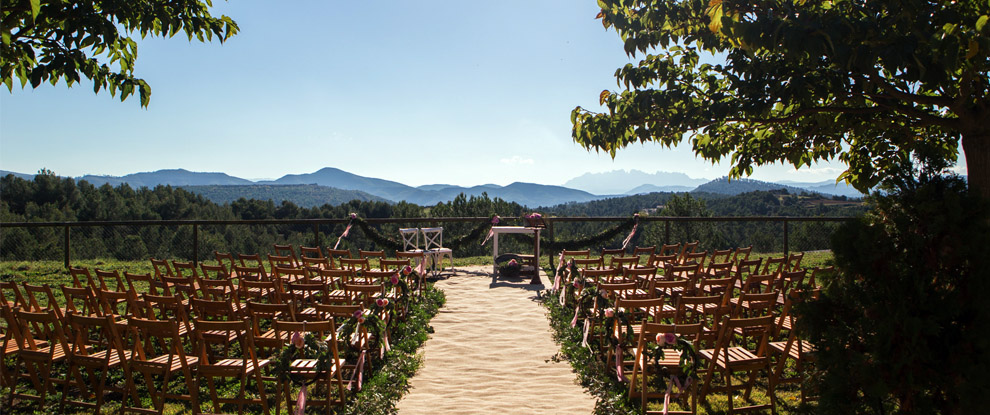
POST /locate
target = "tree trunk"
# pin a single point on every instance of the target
(976, 147)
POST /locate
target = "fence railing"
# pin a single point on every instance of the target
(197, 239)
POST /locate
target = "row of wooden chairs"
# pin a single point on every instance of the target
(182, 310)
(724, 306)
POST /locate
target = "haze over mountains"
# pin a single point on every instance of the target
(335, 186)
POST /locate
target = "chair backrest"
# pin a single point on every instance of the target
(589, 263)
(40, 298)
(752, 327)
(758, 283)
(166, 308)
(742, 254)
(112, 275)
(247, 260)
(34, 326)
(774, 266)
(185, 269)
(266, 290)
(641, 309)
(410, 239)
(371, 254)
(432, 238)
(694, 258)
(755, 304)
(670, 249)
(336, 254)
(155, 338)
(225, 260)
(720, 256)
(315, 263)
(684, 272)
(212, 349)
(354, 263)
(643, 275)
(363, 293)
(688, 248)
(335, 278)
(95, 336)
(395, 264)
(283, 261)
(596, 276)
(251, 273)
(81, 301)
(337, 312)
(661, 261)
(672, 289)
(110, 302)
(286, 251)
(576, 254)
(285, 275)
(161, 268)
(619, 262)
(143, 283)
(794, 261)
(311, 252)
(10, 295)
(817, 274)
(617, 290)
(80, 276)
(222, 310)
(705, 309)
(644, 251)
(613, 252)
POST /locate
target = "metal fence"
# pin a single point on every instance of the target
(195, 240)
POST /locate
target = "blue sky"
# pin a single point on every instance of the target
(453, 92)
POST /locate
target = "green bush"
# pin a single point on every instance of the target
(905, 327)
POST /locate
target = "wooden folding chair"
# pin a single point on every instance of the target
(250, 260)
(730, 356)
(143, 283)
(670, 249)
(619, 262)
(742, 254)
(162, 268)
(644, 251)
(645, 369)
(81, 301)
(80, 277)
(800, 351)
(661, 261)
(335, 255)
(36, 360)
(158, 352)
(96, 349)
(263, 317)
(329, 378)
(687, 249)
(372, 255)
(172, 308)
(216, 362)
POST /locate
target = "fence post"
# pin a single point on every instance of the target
(549, 252)
(316, 235)
(65, 245)
(786, 228)
(195, 245)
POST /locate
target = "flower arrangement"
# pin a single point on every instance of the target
(511, 269)
(688, 361)
(535, 220)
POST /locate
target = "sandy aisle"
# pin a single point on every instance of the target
(489, 354)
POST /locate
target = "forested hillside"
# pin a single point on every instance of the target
(48, 198)
(305, 195)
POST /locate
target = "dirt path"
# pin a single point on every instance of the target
(490, 354)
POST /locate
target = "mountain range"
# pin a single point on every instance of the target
(334, 186)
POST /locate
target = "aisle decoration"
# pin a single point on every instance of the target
(688, 364)
(598, 239)
(301, 346)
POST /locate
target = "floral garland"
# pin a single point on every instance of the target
(303, 347)
(386, 242)
(688, 364)
(593, 240)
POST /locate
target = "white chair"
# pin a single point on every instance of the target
(433, 241)
(410, 239)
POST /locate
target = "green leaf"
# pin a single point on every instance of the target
(981, 22)
(35, 8)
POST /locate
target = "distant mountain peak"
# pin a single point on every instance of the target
(620, 181)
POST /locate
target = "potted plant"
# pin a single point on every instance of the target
(535, 220)
(510, 269)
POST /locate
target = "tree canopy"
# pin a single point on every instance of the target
(51, 40)
(870, 83)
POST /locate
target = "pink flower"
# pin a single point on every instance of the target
(495, 220)
(353, 215)
(297, 340)
(661, 339)
(513, 262)
(382, 302)
(361, 319)
(671, 338)
(578, 284)
(609, 313)
(358, 313)
(395, 279)
(534, 215)
(406, 271)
